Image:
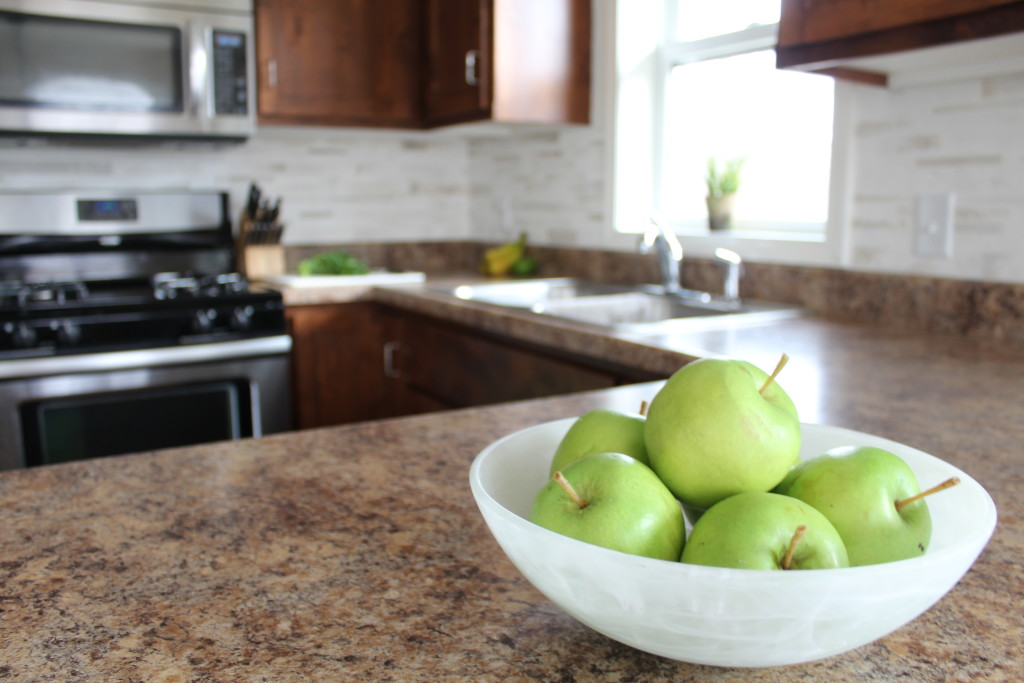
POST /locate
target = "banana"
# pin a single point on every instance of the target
(498, 261)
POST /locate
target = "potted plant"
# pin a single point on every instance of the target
(723, 182)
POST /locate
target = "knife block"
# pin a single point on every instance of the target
(257, 260)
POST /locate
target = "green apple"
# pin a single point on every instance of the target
(601, 431)
(862, 490)
(762, 530)
(719, 427)
(614, 501)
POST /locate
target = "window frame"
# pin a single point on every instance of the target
(640, 62)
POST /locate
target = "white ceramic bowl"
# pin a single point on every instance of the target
(728, 617)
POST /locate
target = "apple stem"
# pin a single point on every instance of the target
(793, 542)
(643, 408)
(949, 483)
(570, 491)
(775, 373)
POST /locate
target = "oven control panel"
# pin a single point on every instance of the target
(107, 210)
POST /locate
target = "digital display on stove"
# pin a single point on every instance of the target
(108, 210)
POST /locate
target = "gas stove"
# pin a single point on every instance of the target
(84, 272)
(125, 328)
(169, 309)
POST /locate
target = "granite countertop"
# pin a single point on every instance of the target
(357, 551)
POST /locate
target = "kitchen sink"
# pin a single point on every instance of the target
(529, 293)
(642, 309)
(629, 308)
(658, 313)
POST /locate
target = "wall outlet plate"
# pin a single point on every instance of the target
(933, 225)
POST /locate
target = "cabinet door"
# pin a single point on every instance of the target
(452, 367)
(458, 74)
(817, 20)
(815, 33)
(345, 62)
(541, 63)
(337, 364)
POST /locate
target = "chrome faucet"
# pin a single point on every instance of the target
(733, 265)
(669, 251)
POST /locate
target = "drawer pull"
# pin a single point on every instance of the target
(472, 56)
(272, 73)
(390, 368)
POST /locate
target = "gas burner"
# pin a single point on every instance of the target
(10, 294)
(171, 285)
(25, 294)
(174, 285)
(223, 283)
(9, 289)
(55, 292)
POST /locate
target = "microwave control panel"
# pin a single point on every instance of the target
(230, 79)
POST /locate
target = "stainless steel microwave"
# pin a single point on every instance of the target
(148, 68)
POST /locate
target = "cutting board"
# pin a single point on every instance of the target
(378, 278)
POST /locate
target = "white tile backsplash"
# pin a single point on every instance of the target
(338, 185)
(550, 183)
(965, 138)
(360, 185)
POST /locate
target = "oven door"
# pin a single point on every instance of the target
(58, 409)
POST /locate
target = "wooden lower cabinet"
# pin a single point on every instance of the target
(363, 361)
(337, 371)
(455, 368)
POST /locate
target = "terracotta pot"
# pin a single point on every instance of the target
(720, 211)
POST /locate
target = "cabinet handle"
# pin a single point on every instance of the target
(471, 59)
(391, 370)
(272, 73)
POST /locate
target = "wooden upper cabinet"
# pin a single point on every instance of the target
(818, 34)
(423, 63)
(344, 62)
(541, 66)
(458, 64)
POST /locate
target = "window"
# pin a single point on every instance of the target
(696, 80)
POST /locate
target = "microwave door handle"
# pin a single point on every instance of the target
(198, 70)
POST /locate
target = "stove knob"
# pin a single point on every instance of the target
(69, 333)
(202, 321)
(23, 336)
(241, 318)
